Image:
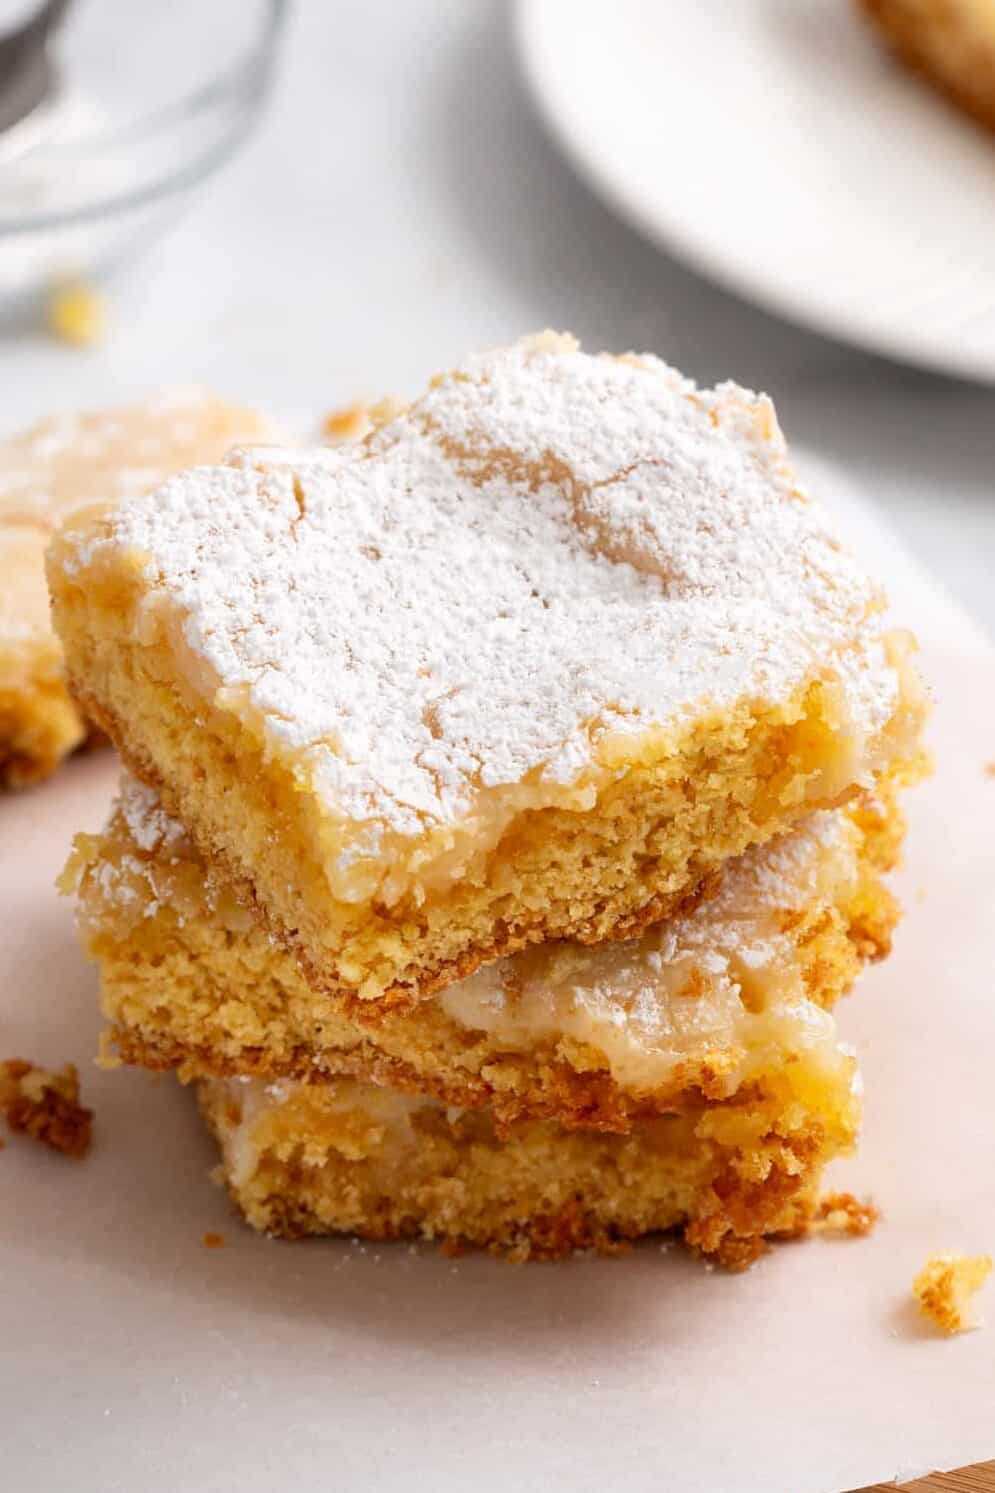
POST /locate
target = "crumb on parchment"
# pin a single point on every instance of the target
(737, 1254)
(46, 1106)
(945, 1285)
(212, 1240)
(841, 1213)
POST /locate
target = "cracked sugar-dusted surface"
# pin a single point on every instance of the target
(548, 549)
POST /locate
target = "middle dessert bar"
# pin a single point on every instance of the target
(695, 1010)
(530, 661)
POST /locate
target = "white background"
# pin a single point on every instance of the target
(401, 205)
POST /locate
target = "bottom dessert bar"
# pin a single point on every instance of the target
(346, 1157)
(48, 472)
(39, 724)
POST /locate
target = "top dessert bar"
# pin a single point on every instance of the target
(529, 661)
(57, 466)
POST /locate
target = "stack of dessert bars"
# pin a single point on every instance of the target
(507, 805)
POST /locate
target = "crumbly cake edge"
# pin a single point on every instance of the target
(574, 1100)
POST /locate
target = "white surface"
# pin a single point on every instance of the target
(135, 1358)
(811, 180)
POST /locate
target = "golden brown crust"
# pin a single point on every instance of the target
(51, 472)
(935, 38)
(544, 1238)
(574, 1099)
(45, 1106)
(538, 1082)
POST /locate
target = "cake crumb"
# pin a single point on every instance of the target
(353, 421)
(990, 769)
(347, 423)
(211, 1240)
(76, 314)
(842, 1214)
(46, 1106)
(945, 1285)
(738, 1254)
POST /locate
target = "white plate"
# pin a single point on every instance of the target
(131, 1358)
(774, 146)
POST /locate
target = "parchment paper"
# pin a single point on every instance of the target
(132, 1358)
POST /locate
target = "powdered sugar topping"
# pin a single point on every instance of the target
(548, 550)
(151, 828)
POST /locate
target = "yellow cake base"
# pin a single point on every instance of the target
(349, 1158)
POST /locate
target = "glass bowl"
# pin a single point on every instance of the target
(151, 100)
